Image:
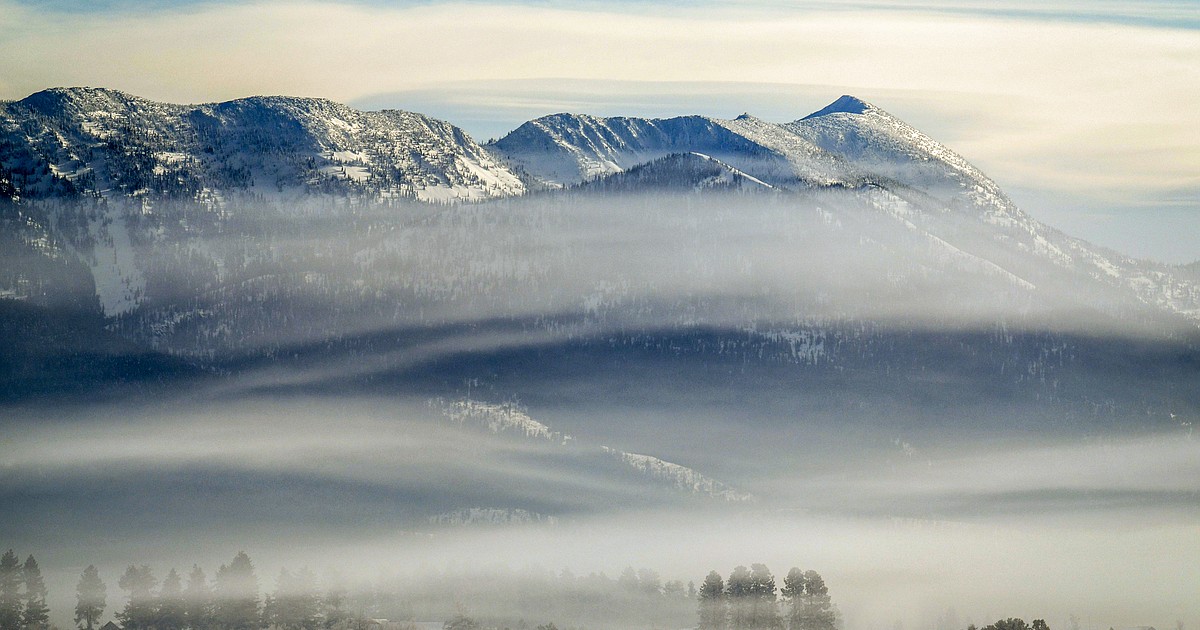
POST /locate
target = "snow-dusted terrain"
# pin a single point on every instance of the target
(282, 323)
(508, 418)
(105, 143)
(268, 228)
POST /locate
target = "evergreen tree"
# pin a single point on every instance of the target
(628, 580)
(460, 621)
(295, 603)
(649, 582)
(197, 601)
(739, 591)
(171, 612)
(235, 604)
(36, 615)
(333, 603)
(1012, 623)
(91, 598)
(763, 612)
(714, 614)
(10, 591)
(814, 610)
(139, 612)
(793, 596)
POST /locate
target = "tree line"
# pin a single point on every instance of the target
(230, 601)
(748, 601)
(22, 594)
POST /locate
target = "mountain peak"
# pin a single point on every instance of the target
(846, 104)
(58, 98)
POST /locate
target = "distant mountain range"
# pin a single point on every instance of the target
(764, 286)
(143, 173)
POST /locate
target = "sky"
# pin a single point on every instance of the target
(1084, 112)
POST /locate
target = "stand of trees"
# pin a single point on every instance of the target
(1014, 623)
(22, 594)
(230, 602)
(747, 601)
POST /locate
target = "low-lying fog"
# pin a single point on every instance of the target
(1001, 424)
(1102, 528)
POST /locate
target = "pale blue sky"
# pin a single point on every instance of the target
(1084, 111)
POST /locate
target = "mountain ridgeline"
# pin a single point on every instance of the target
(146, 240)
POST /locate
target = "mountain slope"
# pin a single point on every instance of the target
(269, 222)
(678, 173)
(958, 203)
(509, 419)
(86, 141)
(566, 149)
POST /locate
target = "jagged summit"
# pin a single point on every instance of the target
(846, 104)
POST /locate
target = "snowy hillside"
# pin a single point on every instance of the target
(98, 142)
(565, 149)
(510, 419)
(927, 174)
(683, 172)
(491, 517)
(136, 171)
(264, 226)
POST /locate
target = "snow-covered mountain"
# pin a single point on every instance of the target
(136, 171)
(105, 143)
(247, 228)
(711, 299)
(566, 149)
(957, 198)
(923, 186)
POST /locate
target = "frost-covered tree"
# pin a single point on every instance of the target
(10, 591)
(714, 613)
(140, 610)
(36, 615)
(91, 597)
